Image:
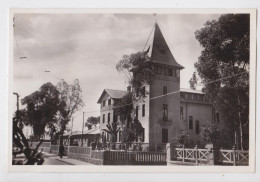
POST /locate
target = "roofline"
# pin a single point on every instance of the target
(105, 90)
(191, 91)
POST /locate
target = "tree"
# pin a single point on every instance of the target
(137, 69)
(112, 130)
(223, 67)
(71, 101)
(92, 121)
(130, 126)
(41, 109)
(32, 156)
(193, 81)
(210, 133)
(139, 72)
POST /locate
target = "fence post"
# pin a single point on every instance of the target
(183, 153)
(234, 155)
(196, 154)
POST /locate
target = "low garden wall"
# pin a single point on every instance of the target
(86, 154)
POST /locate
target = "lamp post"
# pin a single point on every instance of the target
(17, 102)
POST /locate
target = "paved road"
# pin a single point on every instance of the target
(53, 161)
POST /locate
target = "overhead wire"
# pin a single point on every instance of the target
(159, 96)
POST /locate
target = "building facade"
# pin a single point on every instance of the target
(166, 108)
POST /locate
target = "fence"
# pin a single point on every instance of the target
(79, 153)
(134, 158)
(121, 146)
(116, 157)
(192, 155)
(210, 156)
(233, 157)
(55, 149)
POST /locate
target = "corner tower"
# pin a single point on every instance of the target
(164, 111)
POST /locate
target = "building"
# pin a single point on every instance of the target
(167, 108)
(77, 137)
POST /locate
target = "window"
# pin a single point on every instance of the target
(159, 70)
(165, 112)
(143, 110)
(143, 91)
(164, 90)
(197, 127)
(181, 112)
(165, 71)
(170, 72)
(104, 103)
(142, 139)
(190, 122)
(108, 118)
(109, 101)
(136, 111)
(119, 137)
(164, 135)
(177, 73)
(104, 118)
(103, 137)
(217, 117)
(162, 51)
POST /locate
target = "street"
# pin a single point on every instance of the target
(54, 161)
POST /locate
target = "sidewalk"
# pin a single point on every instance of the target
(70, 161)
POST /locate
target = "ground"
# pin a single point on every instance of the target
(52, 159)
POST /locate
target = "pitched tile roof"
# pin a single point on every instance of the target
(114, 94)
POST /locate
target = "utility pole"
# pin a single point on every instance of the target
(72, 126)
(82, 130)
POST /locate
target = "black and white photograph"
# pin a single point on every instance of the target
(136, 88)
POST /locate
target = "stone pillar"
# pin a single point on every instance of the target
(168, 152)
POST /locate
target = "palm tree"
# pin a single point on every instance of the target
(112, 130)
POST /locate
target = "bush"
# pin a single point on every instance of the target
(181, 137)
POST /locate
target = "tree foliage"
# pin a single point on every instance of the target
(193, 81)
(137, 69)
(41, 109)
(224, 67)
(92, 121)
(210, 132)
(181, 137)
(51, 108)
(112, 130)
(131, 127)
(71, 99)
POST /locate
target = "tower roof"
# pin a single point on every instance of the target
(160, 52)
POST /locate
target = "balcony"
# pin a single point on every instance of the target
(165, 121)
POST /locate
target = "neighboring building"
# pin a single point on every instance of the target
(107, 100)
(167, 108)
(76, 137)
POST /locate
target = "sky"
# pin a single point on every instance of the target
(88, 46)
